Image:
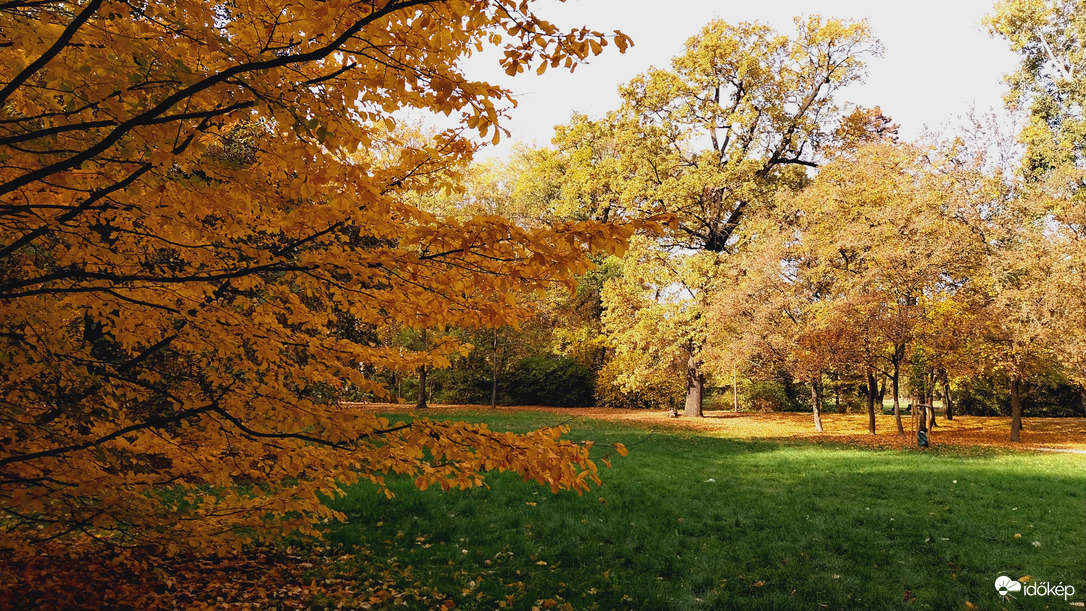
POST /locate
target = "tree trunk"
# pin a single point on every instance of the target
(931, 410)
(422, 389)
(897, 404)
(816, 404)
(946, 397)
(695, 383)
(494, 374)
(1082, 398)
(1016, 410)
(837, 396)
(871, 394)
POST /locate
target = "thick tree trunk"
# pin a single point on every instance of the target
(871, 394)
(946, 397)
(695, 383)
(816, 404)
(422, 389)
(1016, 410)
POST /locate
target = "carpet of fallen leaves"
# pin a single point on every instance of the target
(62, 578)
(1045, 434)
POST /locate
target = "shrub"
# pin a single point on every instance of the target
(662, 390)
(557, 381)
(1047, 396)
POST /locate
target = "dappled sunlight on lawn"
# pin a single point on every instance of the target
(1037, 433)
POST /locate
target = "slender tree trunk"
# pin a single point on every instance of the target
(816, 404)
(695, 383)
(1082, 398)
(837, 396)
(871, 394)
(931, 403)
(929, 397)
(947, 400)
(494, 374)
(897, 404)
(1016, 410)
(735, 389)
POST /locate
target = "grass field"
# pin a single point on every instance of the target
(694, 521)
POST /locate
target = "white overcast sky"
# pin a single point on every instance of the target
(939, 60)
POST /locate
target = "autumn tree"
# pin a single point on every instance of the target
(738, 116)
(859, 257)
(199, 201)
(1050, 87)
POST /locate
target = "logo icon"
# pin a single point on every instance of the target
(1004, 585)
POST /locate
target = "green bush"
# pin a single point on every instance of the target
(774, 395)
(557, 381)
(1046, 396)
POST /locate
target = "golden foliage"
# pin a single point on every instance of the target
(202, 207)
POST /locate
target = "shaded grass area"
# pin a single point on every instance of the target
(694, 522)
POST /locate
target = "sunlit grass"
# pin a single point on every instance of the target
(690, 521)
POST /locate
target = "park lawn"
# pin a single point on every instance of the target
(689, 521)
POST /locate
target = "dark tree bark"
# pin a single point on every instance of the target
(837, 396)
(899, 353)
(422, 389)
(872, 392)
(1016, 409)
(947, 400)
(695, 383)
(494, 374)
(931, 406)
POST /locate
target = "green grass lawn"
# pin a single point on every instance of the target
(693, 522)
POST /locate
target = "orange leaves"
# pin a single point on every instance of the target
(202, 233)
(461, 454)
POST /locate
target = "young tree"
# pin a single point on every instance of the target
(197, 201)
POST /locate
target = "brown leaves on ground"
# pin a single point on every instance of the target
(1037, 433)
(65, 578)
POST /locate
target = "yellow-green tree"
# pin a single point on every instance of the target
(737, 117)
(1050, 86)
(200, 205)
(1050, 39)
